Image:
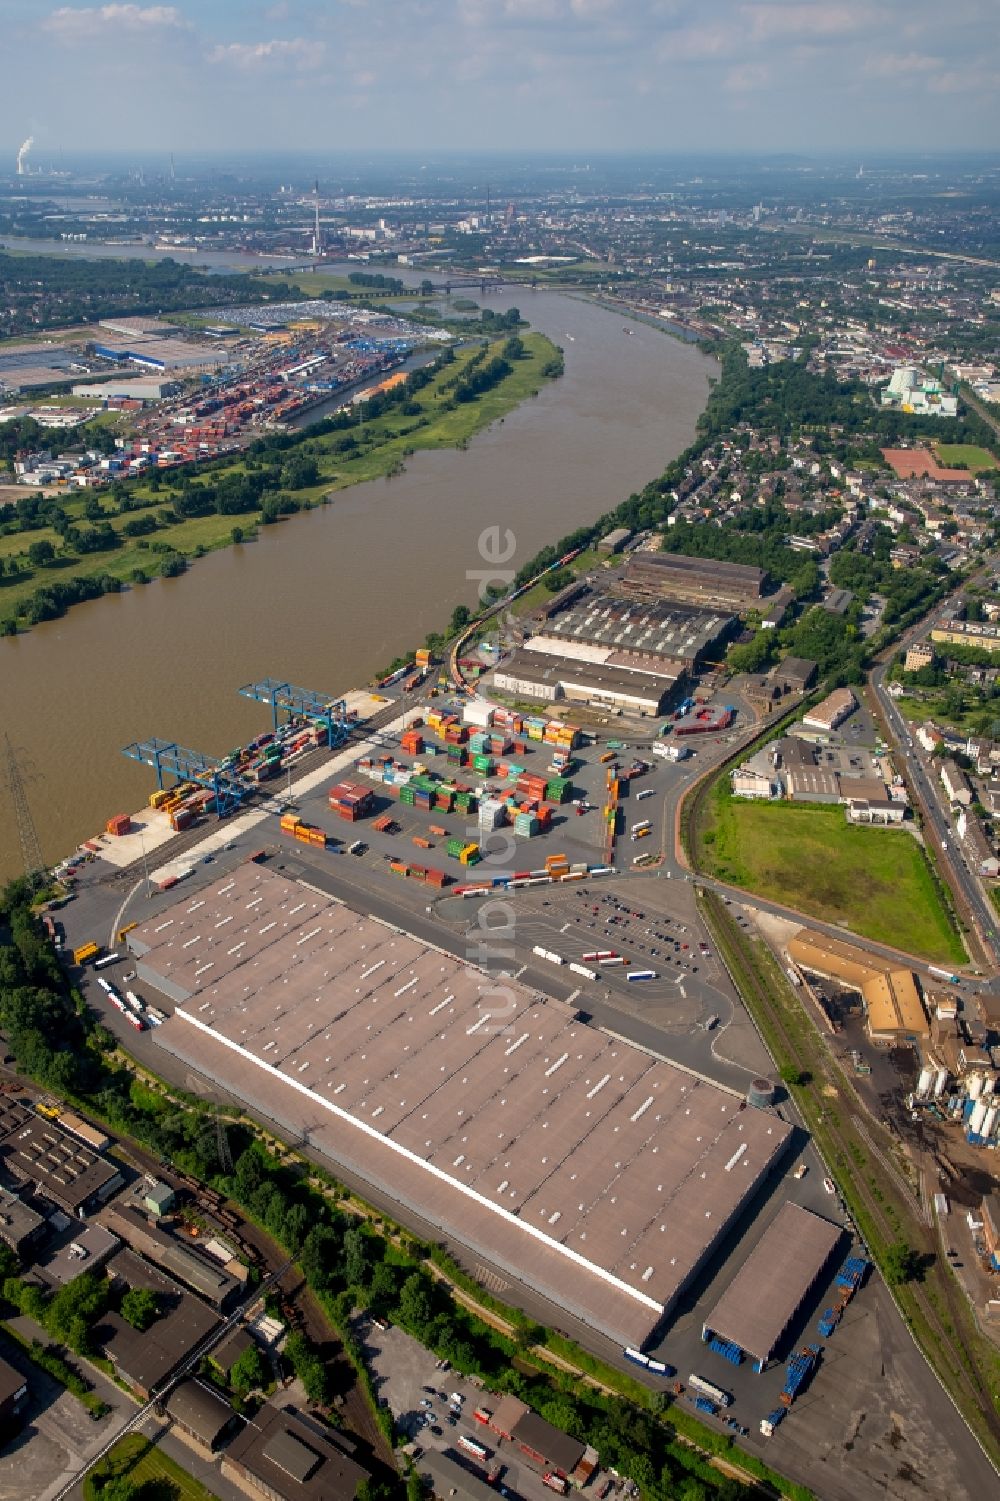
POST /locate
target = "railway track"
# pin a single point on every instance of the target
(847, 1137)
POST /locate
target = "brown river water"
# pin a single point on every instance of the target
(327, 598)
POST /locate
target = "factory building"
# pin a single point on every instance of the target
(592, 1172)
(126, 390)
(760, 1305)
(613, 632)
(834, 709)
(698, 581)
(894, 1011)
(551, 679)
(60, 1169)
(287, 1457)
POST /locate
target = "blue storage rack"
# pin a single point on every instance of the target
(727, 1349)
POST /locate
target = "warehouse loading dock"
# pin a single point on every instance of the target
(757, 1310)
(588, 1170)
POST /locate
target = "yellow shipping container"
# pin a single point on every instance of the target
(158, 798)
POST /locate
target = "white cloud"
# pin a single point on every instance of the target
(297, 53)
(899, 64)
(745, 78)
(74, 25)
(804, 18)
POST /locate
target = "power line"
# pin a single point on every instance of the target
(35, 869)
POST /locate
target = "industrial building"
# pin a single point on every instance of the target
(613, 632)
(203, 1275)
(13, 1392)
(201, 1413)
(554, 679)
(145, 1360)
(21, 1227)
(284, 1456)
(60, 1169)
(834, 709)
(590, 1171)
(546, 1448)
(756, 1312)
(123, 388)
(699, 581)
(893, 1008)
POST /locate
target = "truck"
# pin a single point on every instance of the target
(706, 1389)
(770, 1423)
(474, 1447)
(86, 952)
(557, 1483)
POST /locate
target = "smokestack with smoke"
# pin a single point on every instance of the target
(22, 156)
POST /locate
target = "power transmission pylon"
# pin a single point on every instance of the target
(31, 850)
(222, 1144)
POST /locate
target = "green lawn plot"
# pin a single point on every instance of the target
(967, 455)
(875, 881)
(136, 1459)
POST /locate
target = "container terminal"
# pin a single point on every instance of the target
(295, 928)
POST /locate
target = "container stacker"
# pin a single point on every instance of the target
(285, 697)
(168, 758)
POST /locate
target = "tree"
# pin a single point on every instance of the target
(40, 554)
(249, 1373)
(791, 1075)
(140, 1307)
(415, 1307)
(357, 1258)
(902, 1264)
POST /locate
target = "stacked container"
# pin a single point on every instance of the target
(120, 824)
(350, 800)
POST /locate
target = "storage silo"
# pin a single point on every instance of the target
(760, 1094)
(927, 1076)
(974, 1086)
(976, 1119)
(940, 1083)
(990, 1123)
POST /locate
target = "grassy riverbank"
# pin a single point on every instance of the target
(378, 447)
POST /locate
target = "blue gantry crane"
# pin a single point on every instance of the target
(285, 697)
(169, 759)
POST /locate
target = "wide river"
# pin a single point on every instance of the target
(328, 597)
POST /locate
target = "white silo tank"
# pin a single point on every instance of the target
(924, 1083)
(989, 1124)
(974, 1085)
(976, 1118)
(989, 1084)
(940, 1083)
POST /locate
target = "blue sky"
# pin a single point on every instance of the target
(351, 75)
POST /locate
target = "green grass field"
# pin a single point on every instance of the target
(137, 1459)
(877, 882)
(968, 454)
(384, 444)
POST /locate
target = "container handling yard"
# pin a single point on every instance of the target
(293, 924)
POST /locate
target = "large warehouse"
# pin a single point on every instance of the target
(551, 679)
(581, 1165)
(604, 629)
(759, 1306)
(700, 581)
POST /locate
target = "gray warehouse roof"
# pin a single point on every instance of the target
(763, 1298)
(680, 633)
(592, 1169)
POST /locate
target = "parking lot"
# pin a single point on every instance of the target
(420, 1395)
